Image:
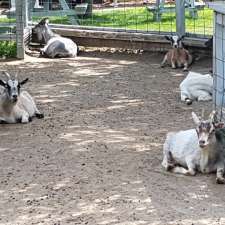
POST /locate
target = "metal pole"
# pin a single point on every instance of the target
(20, 20)
(180, 17)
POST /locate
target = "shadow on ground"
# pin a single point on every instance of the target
(95, 158)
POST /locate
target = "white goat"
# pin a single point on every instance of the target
(16, 106)
(196, 87)
(201, 149)
(178, 56)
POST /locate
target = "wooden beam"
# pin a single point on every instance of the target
(123, 36)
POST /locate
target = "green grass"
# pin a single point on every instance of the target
(8, 49)
(139, 18)
(7, 20)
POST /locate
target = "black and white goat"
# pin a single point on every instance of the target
(201, 149)
(55, 45)
(178, 56)
(15, 105)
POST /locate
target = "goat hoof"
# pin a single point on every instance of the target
(188, 101)
(185, 69)
(220, 180)
(162, 66)
(30, 119)
(40, 115)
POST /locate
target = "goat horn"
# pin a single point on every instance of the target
(7, 74)
(212, 116)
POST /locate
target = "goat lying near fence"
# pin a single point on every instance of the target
(16, 106)
(201, 149)
(55, 45)
(196, 87)
(178, 56)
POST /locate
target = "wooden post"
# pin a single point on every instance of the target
(21, 22)
(180, 17)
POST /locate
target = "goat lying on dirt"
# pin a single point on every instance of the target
(201, 149)
(55, 45)
(196, 87)
(16, 106)
(178, 56)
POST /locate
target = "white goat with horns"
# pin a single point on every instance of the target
(16, 106)
(201, 149)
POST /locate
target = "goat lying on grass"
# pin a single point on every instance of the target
(16, 106)
(178, 56)
(55, 45)
(196, 87)
(201, 149)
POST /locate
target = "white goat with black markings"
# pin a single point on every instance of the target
(178, 56)
(196, 87)
(15, 105)
(55, 45)
(201, 149)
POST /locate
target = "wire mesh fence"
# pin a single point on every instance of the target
(156, 16)
(7, 29)
(219, 62)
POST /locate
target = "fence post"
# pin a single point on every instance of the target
(21, 23)
(180, 17)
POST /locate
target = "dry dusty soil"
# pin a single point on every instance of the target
(95, 157)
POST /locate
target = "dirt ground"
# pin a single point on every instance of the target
(95, 157)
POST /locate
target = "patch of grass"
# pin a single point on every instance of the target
(7, 20)
(8, 49)
(140, 18)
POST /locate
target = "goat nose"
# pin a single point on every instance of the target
(201, 142)
(15, 97)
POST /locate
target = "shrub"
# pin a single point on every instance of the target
(7, 49)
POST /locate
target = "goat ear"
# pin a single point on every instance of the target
(24, 81)
(2, 83)
(195, 118)
(44, 21)
(219, 125)
(167, 38)
(182, 37)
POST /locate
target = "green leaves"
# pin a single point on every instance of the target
(7, 49)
